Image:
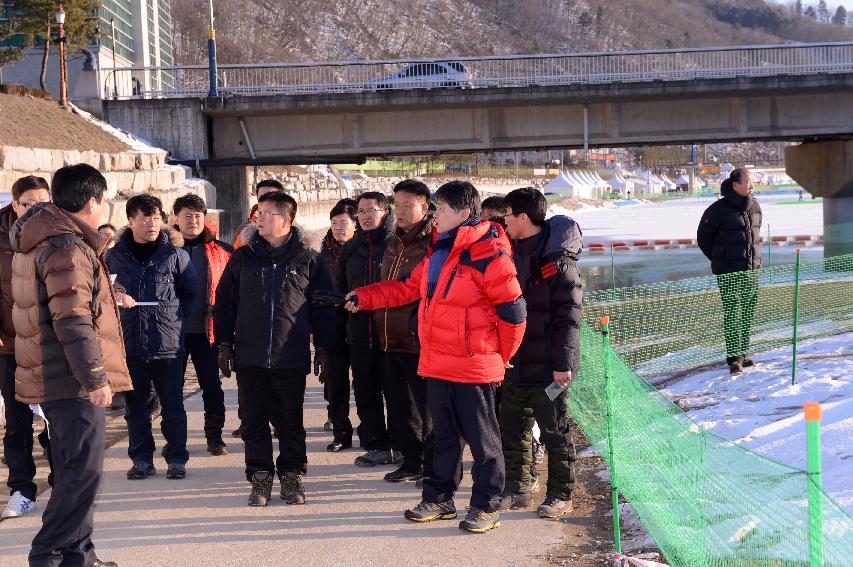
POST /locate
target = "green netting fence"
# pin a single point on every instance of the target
(706, 501)
(664, 328)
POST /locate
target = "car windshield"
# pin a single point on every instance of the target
(456, 66)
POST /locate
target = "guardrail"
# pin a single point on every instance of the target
(481, 72)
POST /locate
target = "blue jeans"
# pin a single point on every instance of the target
(168, 381)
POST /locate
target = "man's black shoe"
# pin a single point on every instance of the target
(403, 475)
(420, 482)
(747, 362)
(735, 368)
(99, 563)
(140, 470)
(338, 446)
(237, 433)
(261, 488)
(216, 447)
(176, 471)
(430, 511)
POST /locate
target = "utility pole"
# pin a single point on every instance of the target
(211, 54)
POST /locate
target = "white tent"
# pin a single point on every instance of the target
(683, 181)
(563, 185)
(589, 190)
(621, 185)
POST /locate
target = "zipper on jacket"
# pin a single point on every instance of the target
(467, 335)
(272, 313)
(392, 275)
(450, 282)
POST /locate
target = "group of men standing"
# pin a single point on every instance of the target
(430, 306)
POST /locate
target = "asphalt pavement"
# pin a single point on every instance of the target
(351, 516)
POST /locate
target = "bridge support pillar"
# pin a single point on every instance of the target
(825, 169)
(232, 196)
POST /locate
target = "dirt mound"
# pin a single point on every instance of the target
(36, 123)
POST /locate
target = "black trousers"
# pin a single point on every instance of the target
(408, 413)
(521, 406)
(264, 392)
(739, 292)
(205, 357)
(77, 431)
(336, 392)
(18, 437)
(465, 413)
(367, 369)
(168, 383)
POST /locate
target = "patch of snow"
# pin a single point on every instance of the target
(135, 143)
(763, 411)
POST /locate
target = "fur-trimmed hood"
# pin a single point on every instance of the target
(175, 236)
(309, 238)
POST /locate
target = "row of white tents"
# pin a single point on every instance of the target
(588, 184)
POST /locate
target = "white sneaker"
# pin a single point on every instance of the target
(17, 506)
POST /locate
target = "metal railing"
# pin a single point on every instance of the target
(481, 72)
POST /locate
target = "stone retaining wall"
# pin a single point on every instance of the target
(127, 174)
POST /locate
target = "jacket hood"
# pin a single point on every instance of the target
(261, 247)
(421, 229)
(727, 190)
(307, 239)
(471, 231)
(46, 220)
(565, 238)
(208, 234)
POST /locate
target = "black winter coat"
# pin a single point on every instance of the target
(168, 277)
(729, 232)
(360, 264)
(263, 304)
(552, 288)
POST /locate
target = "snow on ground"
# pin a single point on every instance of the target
(679, 218)
(763, 411)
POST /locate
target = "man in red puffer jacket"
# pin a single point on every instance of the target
(471, 321)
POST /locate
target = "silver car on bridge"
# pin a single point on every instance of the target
(427, 75)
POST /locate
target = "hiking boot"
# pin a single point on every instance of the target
(515, 501)
(403, 475)
(747, 362)
(736, 367)
(237, 433)
(375, 457)
(292, 491)
(261, 488)
(216, 446)
(176, 471)
(140, 470)
(429, 511)
(18, 505)
(554, 507)
(479, 521)
(328, 425)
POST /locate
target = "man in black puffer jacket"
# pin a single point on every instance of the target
(151, 267)
(263, 319)
(360, 264)
(545, 255)
(728, 235)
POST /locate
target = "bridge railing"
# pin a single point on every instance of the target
(479, 72)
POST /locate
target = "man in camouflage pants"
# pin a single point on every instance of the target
(544, 253)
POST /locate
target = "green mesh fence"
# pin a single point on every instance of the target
(706, 501)
(672, 326)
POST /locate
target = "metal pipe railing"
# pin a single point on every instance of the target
(481, 72)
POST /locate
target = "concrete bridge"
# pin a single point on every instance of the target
(336, 113)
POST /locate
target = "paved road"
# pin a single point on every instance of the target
(352, 517)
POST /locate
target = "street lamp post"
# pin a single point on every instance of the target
(211, 55)
(63, 73)
(113, 36)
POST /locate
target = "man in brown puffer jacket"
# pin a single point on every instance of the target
(69, 351)
(405, 392)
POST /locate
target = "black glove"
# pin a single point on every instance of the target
(226, 359)
(321, 364)
(327, 298)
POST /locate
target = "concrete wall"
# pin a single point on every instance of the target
(176, 125)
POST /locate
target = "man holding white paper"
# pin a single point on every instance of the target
(545, 254)
(156, 286)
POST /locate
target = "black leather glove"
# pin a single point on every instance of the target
(321, 363)
(226, 359)
(327, 298)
